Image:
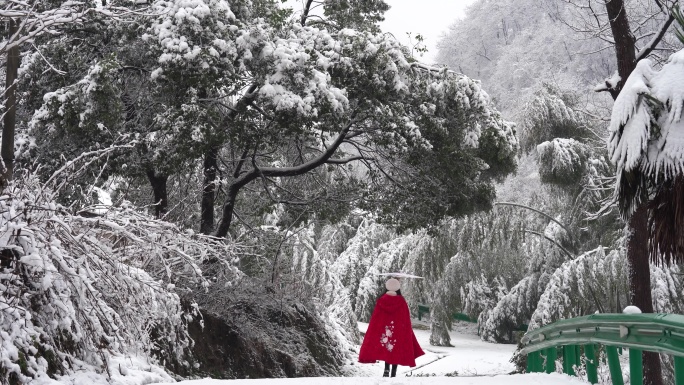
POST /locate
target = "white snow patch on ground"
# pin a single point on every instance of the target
(124, 370)
(469, 356)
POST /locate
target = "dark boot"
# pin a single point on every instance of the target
(394, 370)
(387, 370)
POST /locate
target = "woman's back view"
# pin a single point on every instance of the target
(390, 336)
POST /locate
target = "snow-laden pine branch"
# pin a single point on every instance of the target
(79, 288)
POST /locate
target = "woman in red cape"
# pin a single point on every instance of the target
(390, 337)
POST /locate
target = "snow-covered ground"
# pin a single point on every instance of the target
(519, 379)
(469, 356)
(469, 362)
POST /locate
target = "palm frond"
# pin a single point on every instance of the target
(666, 223)
(632, 191)
(679, 18)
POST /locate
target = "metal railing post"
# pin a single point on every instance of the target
(551, 355)
(592, 363)
(530, 362)
(569, 359)
(636, 367)
(614, 365)
(540, 364)
(679, 370)
(534, 362)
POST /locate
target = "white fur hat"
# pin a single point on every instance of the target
(393, 284)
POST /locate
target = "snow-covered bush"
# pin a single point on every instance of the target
(77, 289)
(597, 281)
(667, 288)
(551, 114)
(511, 310)
(594, 281)
(313, 274)
(353, 264)
(562, 161)
(494, 253)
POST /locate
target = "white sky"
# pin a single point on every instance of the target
(430, 18)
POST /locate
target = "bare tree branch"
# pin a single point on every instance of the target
(569, 254)
(347, 160)
(305, 12)
(536, 211)
(644, 52)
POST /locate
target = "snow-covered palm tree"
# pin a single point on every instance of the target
(647, 145)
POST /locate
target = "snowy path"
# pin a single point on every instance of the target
(469, 356)
(473, 361)
(519, 379)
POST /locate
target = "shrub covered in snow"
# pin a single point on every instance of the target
(594, 281)
(562, 161)
(77, 289)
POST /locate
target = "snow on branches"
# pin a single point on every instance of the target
(551, 113)
(78, 289)
(194, 33)
(35, 19)
(594, 281)
(646, 129)
(562, 161)
(647, 145)
(597, 281)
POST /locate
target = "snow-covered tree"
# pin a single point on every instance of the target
(262, 99)
(493, 252)
(511, 308)
(594, 281)
(24, 22)
(81, 288)
(645, 148)
(550, 114)
(517, 46)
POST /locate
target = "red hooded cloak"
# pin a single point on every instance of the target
(390, 337)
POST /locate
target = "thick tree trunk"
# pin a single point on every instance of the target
(228, 208)
(209, 191)
(639, 270)
(158, 182)
(9, 123)
(640, 283)
(637, 245)
(625, 48)
(229, 205)
(241, 180)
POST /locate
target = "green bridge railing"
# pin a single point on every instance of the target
(662, 333)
